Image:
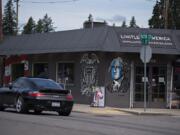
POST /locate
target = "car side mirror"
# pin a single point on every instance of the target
(10, 85)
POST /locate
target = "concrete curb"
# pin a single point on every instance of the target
(100, 111)
(144, 113)
(110, 111)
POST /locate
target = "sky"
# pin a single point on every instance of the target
(70, 14)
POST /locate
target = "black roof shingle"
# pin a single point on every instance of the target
(105, 39)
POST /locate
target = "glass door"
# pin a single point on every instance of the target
(139, 84)
(156, 86)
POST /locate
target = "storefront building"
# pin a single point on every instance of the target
(107, 57)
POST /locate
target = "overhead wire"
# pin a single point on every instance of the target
(48, 2)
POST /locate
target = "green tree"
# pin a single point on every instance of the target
(47, 24)
(132, 23)
(158, 18)
(39, 26)
(124, 24)
(175, 11)
(9, 19)
(29, 28)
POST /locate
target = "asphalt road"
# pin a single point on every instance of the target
(12, 123)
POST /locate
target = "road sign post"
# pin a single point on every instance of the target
(145, 55)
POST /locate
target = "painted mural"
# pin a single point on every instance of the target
(89, 63)
(120, 79)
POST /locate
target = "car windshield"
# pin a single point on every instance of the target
(46, 83)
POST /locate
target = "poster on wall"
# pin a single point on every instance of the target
(99, 97)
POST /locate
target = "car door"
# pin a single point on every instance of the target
(7, 96)
(20, 87)
(11, 95)
(3, 97)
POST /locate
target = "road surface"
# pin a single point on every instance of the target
(12, 123)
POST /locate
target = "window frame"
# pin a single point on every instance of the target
(65, 62)
(38, 63)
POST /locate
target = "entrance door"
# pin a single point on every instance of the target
(156, 86)
(17, 71)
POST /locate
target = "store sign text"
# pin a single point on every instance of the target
(156, 40)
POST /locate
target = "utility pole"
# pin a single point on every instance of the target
(1, 29)
(166, 9)
(17, 14)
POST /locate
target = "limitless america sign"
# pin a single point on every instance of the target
(156, 40)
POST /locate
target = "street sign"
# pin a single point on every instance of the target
(145, 39)
(145, 55)
(146, 50)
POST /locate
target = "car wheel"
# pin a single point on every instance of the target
(65, 112)
(37, 111)
(20, 106)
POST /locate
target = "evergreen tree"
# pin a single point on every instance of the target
(47, 24)
(29, 28)
(39, 26)
(132, 23)
(124, 24)
(175, 11)
(9, 19)
(158, 18)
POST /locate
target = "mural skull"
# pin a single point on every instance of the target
(119, 76)
(89, 64)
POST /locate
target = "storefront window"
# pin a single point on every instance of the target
(17, 71)
(40, 70)
(65, 73)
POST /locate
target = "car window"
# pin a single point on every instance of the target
(17, 83)
(21, 83)
(46, 83)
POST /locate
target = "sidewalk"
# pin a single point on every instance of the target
(151, 111)
(109, 111)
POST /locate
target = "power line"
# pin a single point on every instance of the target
(48, 2)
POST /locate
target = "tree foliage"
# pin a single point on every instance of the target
(47, 24)
(175, 9)
(124, 24)
(158, 15)
(39, 26)
(43, 26)
(29, 28)
(157, 21)
(9, 19)
(132, 23)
